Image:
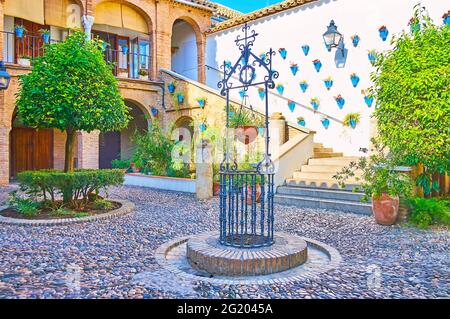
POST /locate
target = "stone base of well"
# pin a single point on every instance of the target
(205, 253)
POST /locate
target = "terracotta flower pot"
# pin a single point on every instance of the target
(216, 189)
(249, 194)
(134, 169)
(385, 209)
(246, 134)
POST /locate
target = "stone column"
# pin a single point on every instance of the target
(201, 48)
(4, 154)
(204, 170)
(88, 22)
(277, 131)
(88, 149)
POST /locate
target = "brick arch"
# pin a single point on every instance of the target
(140, 106)
(195, 26)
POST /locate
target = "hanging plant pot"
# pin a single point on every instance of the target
(369, 100)
(317, 65)
(291, 105)
(104, 46)
(45, 37)
(304, 86)
(340, 101)
(124, 50)
(351, 120)
(294, 69)
(315, 103)
(261, 93)
(384, 32)
(328, 83)
(283, 53)
(301, 121)
(355, 40)
(180, 98)
(305, 49)
(280, 89)
(201, 102)
(355, 79)
(171, 88)
(352, 123)
(246, 134)
(154, 111)
(202, 127)
(19, 31)
(446, 18)
(325, 122)
(372, 55)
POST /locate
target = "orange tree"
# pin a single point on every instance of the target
(72, 88)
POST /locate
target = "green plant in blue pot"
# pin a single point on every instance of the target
(19, 30)
(351, 120)
(301, 121)
(315, 102)
(171, 87)
(45, 34)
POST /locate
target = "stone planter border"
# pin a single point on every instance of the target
(126, 208)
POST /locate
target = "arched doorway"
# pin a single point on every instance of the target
(184, 50)
(30, 148)
(119, 145)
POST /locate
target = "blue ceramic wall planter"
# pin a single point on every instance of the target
(45, 37)
(372, 55)
(325, 122)
(304, 86)
(283, 53)
(180, 98)
(294, 69)
(202, 127)
(355, 40)
(201, 102)
(315, 103)
(340, 101)
(446, 18)
(352, 123)
(154, 111)
(305, 49)
(19, 31)
(291, 105)
(328, 83)
(355, 79)
(261, 93)
(369, 100)
(317, 65)
(301, 121)
(280, 89)
(384, 32)
(124, 50)
(171, 87)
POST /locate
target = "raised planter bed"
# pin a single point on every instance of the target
(185, 185)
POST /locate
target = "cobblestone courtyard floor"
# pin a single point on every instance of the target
(107, 259)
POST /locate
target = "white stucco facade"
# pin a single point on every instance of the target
(305, 24)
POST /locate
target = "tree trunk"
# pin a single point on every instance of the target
(70, 150)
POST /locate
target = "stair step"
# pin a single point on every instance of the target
(320, 193)
(345, 206)
(322, 168)
(313, 175)
(341, 161)
(315, 183)
(327, 154)
(323, 149)
(318, 145)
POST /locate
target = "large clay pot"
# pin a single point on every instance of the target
(385, 209)
(249, 194)
(246, 134)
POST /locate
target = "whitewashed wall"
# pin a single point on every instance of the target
(305, 25)
(184, 60)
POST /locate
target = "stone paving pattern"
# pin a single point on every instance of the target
(112, 258)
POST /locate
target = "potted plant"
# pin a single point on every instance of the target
(143, 74)
(280, 88)
(291, 105)
(355, 40)
(178, 98)
(135, 166)
(245, 125)
(384, 32)
(19, 30)
(123, 73)
(154, 111)
(328, 82)
(24, 60)
(381, 180)
(202, 102)
(301, 121)
(351, 120)
(355, 79)
(261, 93)
(304, 86)
(446, 18)
(315, 102)
(305, 49)
(294, 68)
(368, 98)
(45, 34)
(372, 55)
(414, 24)
(325, 122)
(340, 101)
(171, 87)
(124, 49)
(283, 53)
(317, 65)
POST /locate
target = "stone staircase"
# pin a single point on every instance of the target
(313, 184)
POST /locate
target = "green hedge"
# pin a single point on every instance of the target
(73, 186)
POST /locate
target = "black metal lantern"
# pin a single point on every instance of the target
(5, 78)
(332, 37)
(247, 195)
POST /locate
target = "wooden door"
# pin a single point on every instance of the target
(31, 43)
(109, 148)
(31, 149)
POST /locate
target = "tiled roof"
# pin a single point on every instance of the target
(287, 4)
(218, 9)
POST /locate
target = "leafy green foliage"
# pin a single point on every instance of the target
(351, 116)
(72, 88)
(240, 116)
(428, 211)
(411, 86)
(102, 204)
(121, 164)
(25, 206)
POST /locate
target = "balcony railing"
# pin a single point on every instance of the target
(126, 65)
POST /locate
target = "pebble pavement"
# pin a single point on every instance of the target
(114, 258)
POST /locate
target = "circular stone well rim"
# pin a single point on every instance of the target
(281, 277)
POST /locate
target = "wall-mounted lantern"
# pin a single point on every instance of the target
(334, 39)
(5, 78)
